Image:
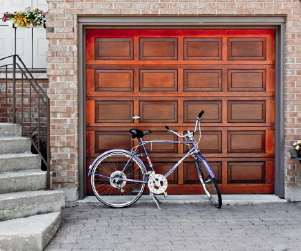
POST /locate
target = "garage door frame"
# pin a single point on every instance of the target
(225, 22)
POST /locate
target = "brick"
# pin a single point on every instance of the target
(56, 23)
(65, 30)
(122, 5)
(160, 6)
(179, 5)
(245, 12)
(55, 60)
(56, 11)
(196, 5)
(62, 59)
(150, 12)
(84, 5)
(216, 5)
(74, 11)
(141, 6)
(103, 6)
(188, 12)
(54, 36)
(130, 12)
(263, 12)
(207, 12)
(169, 12)
(226, 12)
(235, 5)
(69, 36)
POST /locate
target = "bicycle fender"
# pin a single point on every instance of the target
(206, 164)
(110, 151)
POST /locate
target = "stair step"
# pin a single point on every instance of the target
(29, 203)
(19, 162)
(22, 181)
(14, 145)
(10, 129)
(32, 233)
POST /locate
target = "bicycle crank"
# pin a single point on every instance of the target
(157, 184)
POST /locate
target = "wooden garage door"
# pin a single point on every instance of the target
(167, 77)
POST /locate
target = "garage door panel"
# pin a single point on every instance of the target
(246, 141)
(160, 148)
(158, 48)
(105, 140)
(247, 49)
(158, 111)
(114, 49)
(202, 49)
(114, 80)
(202, 80)
(211, 142)
(114, 111)
(213, 110)
(246, 111)
(246, 172)
(158, 80)
(247, 80)
(190, 174)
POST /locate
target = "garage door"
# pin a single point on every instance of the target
(166, 77)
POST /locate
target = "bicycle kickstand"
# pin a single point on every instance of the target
(156, 200)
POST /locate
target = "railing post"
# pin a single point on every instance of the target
(48, 143)
(14, 88)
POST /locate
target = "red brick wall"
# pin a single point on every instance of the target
(22, 101)
(62, 67)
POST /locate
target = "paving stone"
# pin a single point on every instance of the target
(180, 227)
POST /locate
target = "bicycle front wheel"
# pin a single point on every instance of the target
(110, 181)
(209, 184)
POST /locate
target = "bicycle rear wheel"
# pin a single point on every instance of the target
(209, 184)
(107, 179)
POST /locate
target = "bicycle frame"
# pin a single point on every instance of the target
(142, 143)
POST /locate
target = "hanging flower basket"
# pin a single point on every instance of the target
(296, 152)
(26, 18)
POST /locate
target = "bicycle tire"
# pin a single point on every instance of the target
(209, 184)
(114, 193)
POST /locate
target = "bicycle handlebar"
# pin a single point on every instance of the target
(201, 114)
(195, 128)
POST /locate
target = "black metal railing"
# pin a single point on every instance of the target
(23, 101)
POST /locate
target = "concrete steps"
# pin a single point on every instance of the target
(32, 233)
(29, 203)
(14, 144)
(29, 215)
(19, 162)
(29, 180)
(9, 129)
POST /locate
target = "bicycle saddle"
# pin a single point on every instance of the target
(139, 133)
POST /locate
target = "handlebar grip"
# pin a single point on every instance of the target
(167, 127)
(201, 114)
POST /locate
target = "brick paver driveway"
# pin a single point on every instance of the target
(189, 226)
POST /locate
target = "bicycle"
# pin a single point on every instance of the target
(119, 177)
